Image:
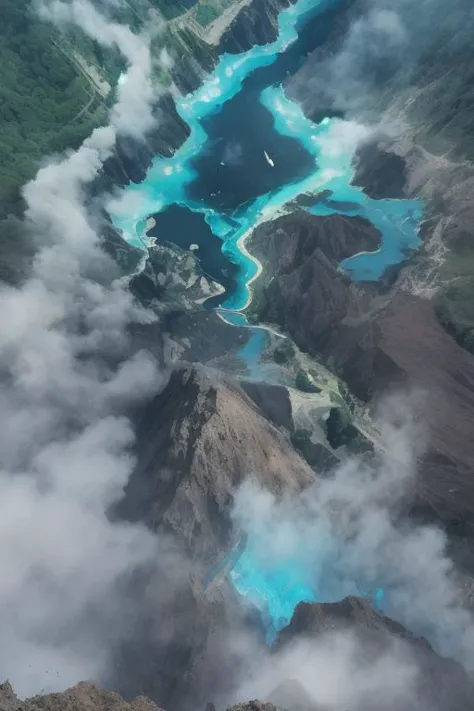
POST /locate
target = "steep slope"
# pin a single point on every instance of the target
(375, 342)
(301, 288)
(83, 697)
(256, 24)
(196, 443)
(440, 683)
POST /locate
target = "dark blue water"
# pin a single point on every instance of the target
(231, 169)
(181, 226)
(219, 185)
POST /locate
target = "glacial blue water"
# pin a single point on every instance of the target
(275, 586)
(323, 163)
(332, 143)
(274, 589)
(168, 180)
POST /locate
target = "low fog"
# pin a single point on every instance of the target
(67, 383)
(350, 532)
(383, 50)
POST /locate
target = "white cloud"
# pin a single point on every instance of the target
(66, 381)
(348, 532)
(132, 114)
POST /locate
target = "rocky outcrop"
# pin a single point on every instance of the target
(132, 158)
(376, 343)
(254, 705)
(303, 234)
(89, 697)
(302, 288)
(196, 443)
(272, 400)
(193, 59)
(379, 172)
(315, 619)
(440, 684)
(255, 24)
(172, 278)
(82, 697)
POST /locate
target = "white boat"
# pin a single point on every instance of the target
(268, 159)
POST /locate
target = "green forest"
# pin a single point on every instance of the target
(47, 103)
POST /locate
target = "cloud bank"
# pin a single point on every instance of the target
(382, 50)
(67, 381)
(132, 113)
(349, 534)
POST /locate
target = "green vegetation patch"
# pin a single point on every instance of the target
(316, 454)
(305, 383)
(284, 352)
(206, 13)
(455, 310)
(46, 103)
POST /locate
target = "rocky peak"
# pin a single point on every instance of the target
(82, 697)
(8, 700)
(254, 705)
(441, 683)
(197, 441)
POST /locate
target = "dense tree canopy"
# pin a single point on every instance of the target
(46, 103)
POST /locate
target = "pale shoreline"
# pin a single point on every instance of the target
(150, 224)
(243, 249)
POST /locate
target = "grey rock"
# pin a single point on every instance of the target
(196, 443)
(441, 684)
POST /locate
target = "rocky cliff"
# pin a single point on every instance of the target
(434, 682)
(83, 697)
(196, 443)
(375, 342)
(255, 24)
(132, 158)
(302, 288)
(440, 683)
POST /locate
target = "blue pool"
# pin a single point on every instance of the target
(250, 151)
(275, 585)
(323, 162)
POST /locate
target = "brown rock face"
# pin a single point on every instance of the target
(375, 343)
(441, 684)
(197, 442)
(255, 24)
(292, 239)
(411, 336)
(314, 619)
(82, 697)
